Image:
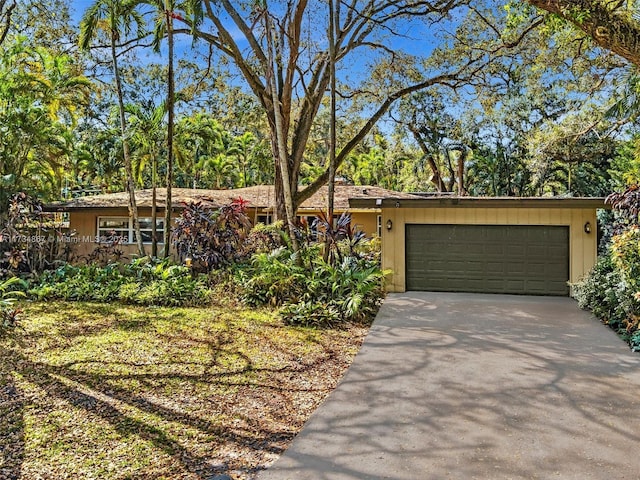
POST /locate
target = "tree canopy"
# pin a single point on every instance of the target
(476, 98)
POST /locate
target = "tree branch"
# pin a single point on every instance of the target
(609, 26)
(452, 80)
(5, 18)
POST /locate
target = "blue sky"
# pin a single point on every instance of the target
(411, 41)
(415, 38)
(183, 43)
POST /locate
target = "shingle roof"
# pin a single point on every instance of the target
(261, 196)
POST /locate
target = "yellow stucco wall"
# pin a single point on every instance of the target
(582, 246)
(367, 221)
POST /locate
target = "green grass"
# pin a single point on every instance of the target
(115, 392)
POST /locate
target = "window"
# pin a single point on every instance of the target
(113, 229)
(264, 219)
(146, 229)
(379, 226)
(121, 229)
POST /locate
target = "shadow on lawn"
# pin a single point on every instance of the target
(11, 420)
(108, 397)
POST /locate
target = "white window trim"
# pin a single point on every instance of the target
(130, 229)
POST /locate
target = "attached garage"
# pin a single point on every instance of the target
(520, 259)
(531, 246)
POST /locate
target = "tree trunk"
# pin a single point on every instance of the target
(436, 178)
(5, 18)
(170, 122)
(280, 138)
(133, 208)
(154, 206)
(332, 123)
(461, 159)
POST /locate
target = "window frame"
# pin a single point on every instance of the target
(102, 232)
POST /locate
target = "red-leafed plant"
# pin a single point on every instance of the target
(211, 238)
(341, 235)
(627, 207)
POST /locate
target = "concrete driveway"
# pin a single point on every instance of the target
(467, 386)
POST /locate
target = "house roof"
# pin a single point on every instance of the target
(436, 201)
(260, 196)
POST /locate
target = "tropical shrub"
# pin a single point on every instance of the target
(625, 255)
(143, 281)
(312, 291)
(310, 313)
(212, 239)
(340, 239)
(627, 206)
(10, 292)
(274, 278)
(264, 238)
(605, 293)
(612, 289)
(31, 240)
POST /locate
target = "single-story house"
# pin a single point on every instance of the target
(509, 245)
(100, 216)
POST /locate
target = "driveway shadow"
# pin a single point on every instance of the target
(477, 386)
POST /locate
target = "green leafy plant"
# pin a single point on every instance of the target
(313, 292)
(10, 292)
(265, 238)
(32, 240)
(273, 278)
(144, 281)
(311, 314)
(612, 288)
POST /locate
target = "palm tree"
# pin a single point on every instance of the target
(198, 137)
(220, 168)
(165, 15)
(39, 94)
(242, 148)
(116, 18)
(146, 131)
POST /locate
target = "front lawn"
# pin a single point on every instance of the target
(105, 391)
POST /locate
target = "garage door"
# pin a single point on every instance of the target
(521, 259)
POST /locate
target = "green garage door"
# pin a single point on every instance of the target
(524, 259)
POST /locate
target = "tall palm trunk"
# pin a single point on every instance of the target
(332, 123)
(170, 123)
(154, 205)
(133, 208)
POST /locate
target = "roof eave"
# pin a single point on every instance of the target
(482, 202)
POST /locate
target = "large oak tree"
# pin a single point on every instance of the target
(284, 45)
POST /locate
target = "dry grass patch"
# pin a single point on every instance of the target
(98, 391)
